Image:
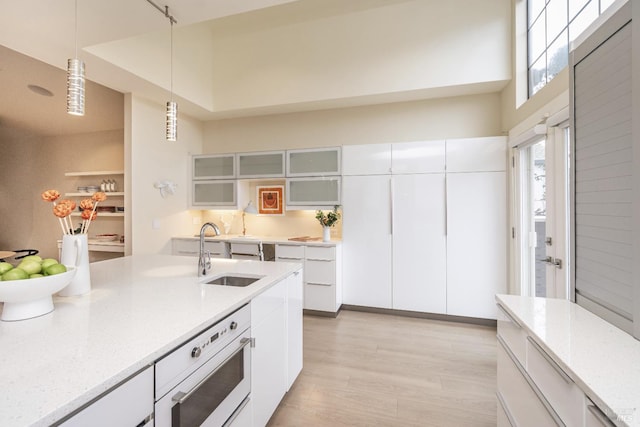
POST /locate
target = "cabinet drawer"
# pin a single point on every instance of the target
(513, 335)
(290, 252)
(520, 400)
(127, 405)
(246, 248)
(319, 297)
(321, 253)
(502, 417)
(556, 386)
(320, 272)
(185, 247)
(217, 249)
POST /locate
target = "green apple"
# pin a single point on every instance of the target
(15, 274)
(36, 258)
(30, 266)
(35, 276)
(4, 267)
(55, 269)
(47, 262)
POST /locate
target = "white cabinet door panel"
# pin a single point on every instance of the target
(294, 327)
(476, 242)
(366, 239)
(477, 154)
(419, 243)
(366, 159)
(418, 157)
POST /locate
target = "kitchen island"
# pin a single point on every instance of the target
(140, 308)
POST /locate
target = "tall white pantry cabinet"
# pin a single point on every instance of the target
(425, 225)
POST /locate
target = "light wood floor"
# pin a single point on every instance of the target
(364, 369)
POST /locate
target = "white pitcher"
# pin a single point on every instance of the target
(75, 251)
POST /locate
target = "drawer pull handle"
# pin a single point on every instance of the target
(510, 317)
(319, 259)
(188, 252)
(596, 412)
(552, 362)
(319, 284)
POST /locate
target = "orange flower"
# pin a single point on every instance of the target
(86, 204)
(61, 210)
(70, 203)
(87, 215)
(50, 195)
(99, 196)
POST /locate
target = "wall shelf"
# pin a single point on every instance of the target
(108, 193)
(94, 173)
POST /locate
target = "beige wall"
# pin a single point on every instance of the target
(457, 117)
(30, 165)
(152, 158)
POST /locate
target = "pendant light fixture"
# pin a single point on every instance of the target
(75, 78)
(171, 130)
(172, 106)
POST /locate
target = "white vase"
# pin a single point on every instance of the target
(326, 234)
(75, 251)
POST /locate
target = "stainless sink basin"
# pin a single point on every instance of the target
(233, 281)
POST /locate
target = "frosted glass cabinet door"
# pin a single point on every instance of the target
(217, 194)
(418, 157)
(366, 240)
(476, 242)
(261, 165)
(219, 166)
(315, 162)
(366, 159)
(313, 191)
(419, 243)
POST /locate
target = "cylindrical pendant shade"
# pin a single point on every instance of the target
(75, 87)
(172, 121)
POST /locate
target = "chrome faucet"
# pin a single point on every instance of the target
(204, 265)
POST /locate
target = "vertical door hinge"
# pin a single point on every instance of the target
(513, 232)
(513, 162)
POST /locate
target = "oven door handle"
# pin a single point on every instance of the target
(180, 396)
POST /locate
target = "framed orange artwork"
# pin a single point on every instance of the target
(270, 200)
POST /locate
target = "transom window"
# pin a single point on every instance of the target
(551, 26)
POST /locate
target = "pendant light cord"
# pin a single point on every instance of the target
(76, 27)
(171, 65)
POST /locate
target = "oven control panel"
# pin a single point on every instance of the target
(191, 355)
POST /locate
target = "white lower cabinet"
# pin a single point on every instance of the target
(268, 357)
(419, 243)
(129, 404)
(294, 327)
(476, 242)
(522, 404)
(244, 418)
(191, 247)
(322, 274)
(366, 241)
(533, 389)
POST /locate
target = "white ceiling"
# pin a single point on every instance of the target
(42, 32)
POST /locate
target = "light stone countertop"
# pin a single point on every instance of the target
(237, 238)
(139, 309)
(603, 360)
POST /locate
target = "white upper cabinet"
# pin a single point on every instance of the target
(477, 154)
(314, 162)
(418, 157)
(219, 166)
(261, 165)
(366, 159)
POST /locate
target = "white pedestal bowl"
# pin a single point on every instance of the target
(25, 299)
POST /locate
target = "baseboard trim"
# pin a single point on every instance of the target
(421, 315)
(321, 313)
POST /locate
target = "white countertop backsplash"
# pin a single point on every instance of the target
(602, 359)
(139, 308)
